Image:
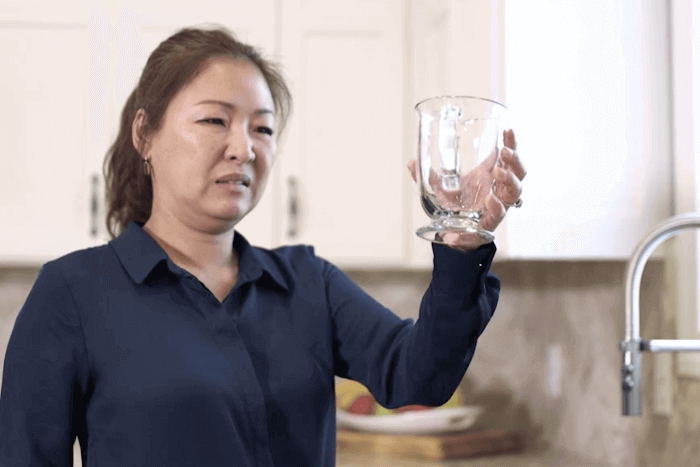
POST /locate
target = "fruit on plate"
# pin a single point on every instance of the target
(363, 405)
(346, 392)
(380, 410)
(353, 397)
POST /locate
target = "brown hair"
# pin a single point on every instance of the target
(175, 63)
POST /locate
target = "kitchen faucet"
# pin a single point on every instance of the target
(633, 345)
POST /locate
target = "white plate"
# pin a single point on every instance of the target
(418, 422)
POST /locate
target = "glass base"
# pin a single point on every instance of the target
(469, 228)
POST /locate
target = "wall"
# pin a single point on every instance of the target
(570, 308)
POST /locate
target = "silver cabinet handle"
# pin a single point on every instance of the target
(94, 204)
(293, 229)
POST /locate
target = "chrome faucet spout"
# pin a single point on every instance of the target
(633, 345)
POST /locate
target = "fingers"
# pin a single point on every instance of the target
(413, 168)
(509, 155)
(509, 139)
(511, 161)
(493, 213)
(507, 186)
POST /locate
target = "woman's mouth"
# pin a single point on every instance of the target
(238, 179)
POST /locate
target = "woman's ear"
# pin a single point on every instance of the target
(136, 127)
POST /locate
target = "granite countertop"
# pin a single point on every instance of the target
(550, 457)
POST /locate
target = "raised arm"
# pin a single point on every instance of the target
(405, 363)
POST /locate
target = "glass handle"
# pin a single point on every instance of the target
(293, 228)
(94, 204)
(449, 147)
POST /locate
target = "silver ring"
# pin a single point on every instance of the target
(517, 204)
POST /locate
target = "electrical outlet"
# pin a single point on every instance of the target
(663, 383)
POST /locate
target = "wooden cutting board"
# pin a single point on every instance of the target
(470, 443)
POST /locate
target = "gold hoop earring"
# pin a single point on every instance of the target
(147, 167)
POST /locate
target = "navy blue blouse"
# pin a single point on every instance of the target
(121, 348)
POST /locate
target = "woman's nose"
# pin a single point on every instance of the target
(240, 145)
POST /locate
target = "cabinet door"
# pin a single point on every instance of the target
(48, 63)
(70, 67)
(344, 162)
(593, 119)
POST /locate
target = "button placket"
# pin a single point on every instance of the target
(227, 338)
(245, 386)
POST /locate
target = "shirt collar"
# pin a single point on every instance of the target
(140, 254)
(255, 262)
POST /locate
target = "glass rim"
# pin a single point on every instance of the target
(435, 98)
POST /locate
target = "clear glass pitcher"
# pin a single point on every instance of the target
(460, 141)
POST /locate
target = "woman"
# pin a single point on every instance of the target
(178, 343)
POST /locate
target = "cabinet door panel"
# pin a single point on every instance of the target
(70, 67)
(346, 140)
(44, 194)
(593, 121)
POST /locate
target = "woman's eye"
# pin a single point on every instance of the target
(267, 130)
(216, 121)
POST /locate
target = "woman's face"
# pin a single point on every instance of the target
(215, 147)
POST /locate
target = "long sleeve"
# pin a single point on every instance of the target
(403, 362)
(44, 378)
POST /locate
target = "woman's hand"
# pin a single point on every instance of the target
(494, 184)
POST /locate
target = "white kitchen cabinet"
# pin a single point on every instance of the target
(344, 161)
(48, 63)
(588, 86)
(588, 83)
(68, 68)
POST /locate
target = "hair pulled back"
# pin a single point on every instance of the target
(176, 62)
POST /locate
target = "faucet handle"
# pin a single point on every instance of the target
(627, 376)
(627, 369)
(628, 383)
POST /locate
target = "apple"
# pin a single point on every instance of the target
(363, 405)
